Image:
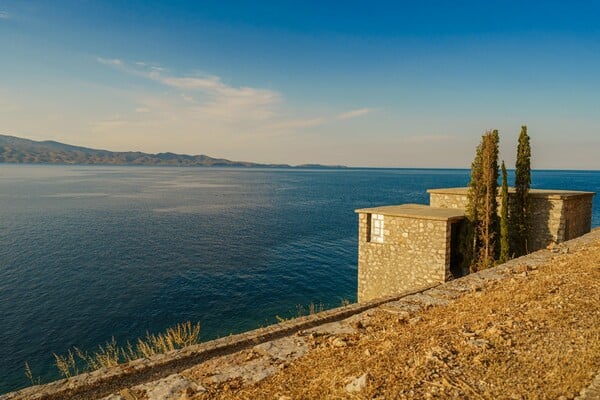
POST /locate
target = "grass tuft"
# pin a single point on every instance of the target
(67, 366)
(29, 375)
(111, 354)
(301, 311)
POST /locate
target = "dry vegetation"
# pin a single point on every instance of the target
(312, 309)
(532, 336)
(111, 354)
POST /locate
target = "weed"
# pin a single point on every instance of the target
(29, 375)
(302, 311)
(280, 319)
(314, 309)
(111, 354)
(66, 364)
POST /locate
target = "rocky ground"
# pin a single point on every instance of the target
(525, 331)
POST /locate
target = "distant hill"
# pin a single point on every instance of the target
(19, 150)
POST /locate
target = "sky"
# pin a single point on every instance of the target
(370, 84)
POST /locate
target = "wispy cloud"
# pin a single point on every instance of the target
(111, 61)
(354, 113)
(220, 99)
(4, 15)
(204, 109)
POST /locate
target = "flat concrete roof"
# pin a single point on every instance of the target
(549, 193)
(416, 211)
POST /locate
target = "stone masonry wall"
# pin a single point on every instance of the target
(415, 253)
(547, 227)
(555, 218)
(578, 217)
(448, 200)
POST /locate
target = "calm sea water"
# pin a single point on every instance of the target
(88, 253)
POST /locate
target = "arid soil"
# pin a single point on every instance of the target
(534, 335)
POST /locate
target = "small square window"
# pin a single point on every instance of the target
(376, 234)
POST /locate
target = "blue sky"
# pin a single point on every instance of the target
(398, 84)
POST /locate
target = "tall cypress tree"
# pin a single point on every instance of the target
(490, 221)
(482, 209)
(521, 212)
(475, 198)
(504, 239)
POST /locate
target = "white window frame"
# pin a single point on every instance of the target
(377, 226)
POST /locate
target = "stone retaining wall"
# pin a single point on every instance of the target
(103, 382)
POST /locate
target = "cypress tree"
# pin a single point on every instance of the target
(490, 221)
(474, 199)
(482, 209)
(504, 239)
(521, 206)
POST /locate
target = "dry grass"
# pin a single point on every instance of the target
(29, 375)
(302, 311)
(532, 336)
(111, 354)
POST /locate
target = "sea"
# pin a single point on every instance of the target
(91, 253)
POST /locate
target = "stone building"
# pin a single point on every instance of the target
(558, 215)
(409, 246)
(403, 247)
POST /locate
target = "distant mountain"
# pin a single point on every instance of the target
(18, 150)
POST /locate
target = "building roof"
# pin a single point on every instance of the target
(416, 211)
(548, 193)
